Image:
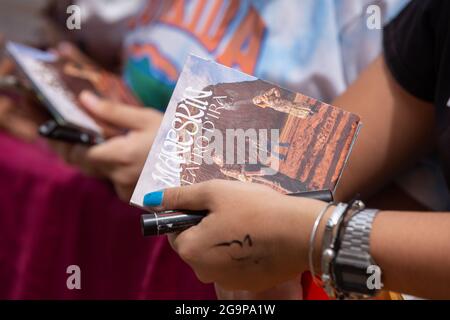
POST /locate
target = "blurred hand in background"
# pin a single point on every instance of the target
(121, 158)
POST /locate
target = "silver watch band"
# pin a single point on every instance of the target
(353, 257)
(356, 236)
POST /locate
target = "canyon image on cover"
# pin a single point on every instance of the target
(224, 124)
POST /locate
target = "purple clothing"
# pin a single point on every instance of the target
(52, 216)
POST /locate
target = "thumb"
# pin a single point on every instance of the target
(116, 114)
(194, 198)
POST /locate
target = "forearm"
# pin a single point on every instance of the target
(412, 249)
(397, 129)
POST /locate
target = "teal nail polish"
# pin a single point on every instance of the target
(153, 199)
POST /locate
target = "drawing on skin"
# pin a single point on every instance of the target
(247, 240)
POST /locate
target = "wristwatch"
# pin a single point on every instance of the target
(353, 264)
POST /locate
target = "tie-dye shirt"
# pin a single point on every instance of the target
(316, 47)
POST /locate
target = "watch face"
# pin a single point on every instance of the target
(353, 279)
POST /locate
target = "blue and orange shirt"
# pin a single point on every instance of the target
(316, 47)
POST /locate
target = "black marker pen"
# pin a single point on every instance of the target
(52, 130)
(157, 224)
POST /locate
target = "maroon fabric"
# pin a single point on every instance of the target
(51, 217)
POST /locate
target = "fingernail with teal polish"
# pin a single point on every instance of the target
(153, 199)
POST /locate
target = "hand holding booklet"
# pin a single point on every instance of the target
(57, 82)
(224, 124)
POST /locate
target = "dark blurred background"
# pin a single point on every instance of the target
(30, 22)
(42, 24)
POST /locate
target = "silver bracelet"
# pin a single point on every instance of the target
(328, 253)
(312, 241)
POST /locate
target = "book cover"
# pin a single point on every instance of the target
(58, 82)
(224, 124)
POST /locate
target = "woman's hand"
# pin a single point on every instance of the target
(253, 238)
(122, 157)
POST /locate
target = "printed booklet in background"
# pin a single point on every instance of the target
(58, 82)
(224, 124)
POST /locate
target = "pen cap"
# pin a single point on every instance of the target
(149, 224)
(322, 195)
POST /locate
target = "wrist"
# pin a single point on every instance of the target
(303, 220)
(344, 235)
